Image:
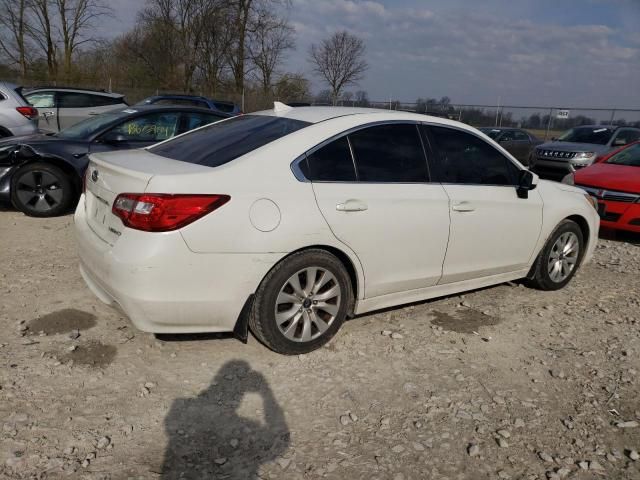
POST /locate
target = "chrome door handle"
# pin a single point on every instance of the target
(48, 114)
(463, 207)
(352, 206)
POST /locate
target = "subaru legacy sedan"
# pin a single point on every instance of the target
(288, 221)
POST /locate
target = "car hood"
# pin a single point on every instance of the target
(573, 147)
(611, 177)
(35, 139)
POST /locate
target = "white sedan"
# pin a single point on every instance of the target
(290, 220)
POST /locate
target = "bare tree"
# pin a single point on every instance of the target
(76, 19)
(217, 38)
(13, 21)
(41, 30)
(270, 39)
(339, 59)
(292, 87)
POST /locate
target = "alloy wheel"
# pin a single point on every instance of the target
(563, 257)
(39, 190)
(307, 304)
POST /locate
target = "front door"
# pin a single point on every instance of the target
(45, 102)
(381, 204)
(493, 231)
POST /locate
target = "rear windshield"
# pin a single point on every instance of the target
(597, 135)
(629, 156)
(225, 141)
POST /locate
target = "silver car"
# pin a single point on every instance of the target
(61, 108)
(17, 117)
(579, 147)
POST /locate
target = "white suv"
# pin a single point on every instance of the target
(17, 117)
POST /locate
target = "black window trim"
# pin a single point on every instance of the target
(454, 127)
(297, 171)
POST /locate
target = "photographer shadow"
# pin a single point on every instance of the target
(208, 438)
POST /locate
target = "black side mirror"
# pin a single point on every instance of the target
(525, 183)
(113, 138)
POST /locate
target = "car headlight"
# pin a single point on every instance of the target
(592, 201)
(582, 156)
(569, 179)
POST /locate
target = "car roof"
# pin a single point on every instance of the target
(168, 108)
(319, 114)
(74, 90)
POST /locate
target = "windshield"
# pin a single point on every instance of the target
(88, 127)
(491, 132)
(629, 156)
(225, 141)
(595, 135)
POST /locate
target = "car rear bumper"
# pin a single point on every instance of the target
(27, 128)
(620, 216)
(164, 287)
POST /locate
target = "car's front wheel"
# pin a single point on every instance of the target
(41, 190)
(301, 303)
(560, 258)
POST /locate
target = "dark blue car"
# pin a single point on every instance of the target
(197, 101)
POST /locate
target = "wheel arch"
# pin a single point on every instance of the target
(584, 228)
(5, 132)
(62, 164)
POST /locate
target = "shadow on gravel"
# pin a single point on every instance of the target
(63, 321)
(209, 437)
(620, 236)
(465, 321)
(93, 354)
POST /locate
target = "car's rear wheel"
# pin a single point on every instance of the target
(301, 303)
(560, 258)
(41, 190)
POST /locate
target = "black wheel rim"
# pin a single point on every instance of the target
(39, 191)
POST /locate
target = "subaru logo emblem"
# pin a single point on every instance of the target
(94, 175)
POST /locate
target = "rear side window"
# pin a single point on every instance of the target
(389, 153)
(75, 100)
(223, 142)
(331, 163)
(520, 136)
(186, 102)
(463, 158)
(104, 101)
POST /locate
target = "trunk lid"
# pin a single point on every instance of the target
(110, 174)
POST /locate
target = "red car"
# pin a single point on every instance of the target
(614, 180)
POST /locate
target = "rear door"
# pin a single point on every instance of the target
(73, 107)
(493, 231)
(373, 188)
(46, 103)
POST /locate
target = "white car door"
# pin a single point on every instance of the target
(493, 229)
(45, 102)
(373, 189)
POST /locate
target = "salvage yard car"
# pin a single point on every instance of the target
(579, 147)
(516, 141)
(293, 219)
(614, 181)
(41, 175)
(17, 117)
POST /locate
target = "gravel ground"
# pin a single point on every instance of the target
(504, 382)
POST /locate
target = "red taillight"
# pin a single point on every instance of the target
(159, 212)
(29, 112)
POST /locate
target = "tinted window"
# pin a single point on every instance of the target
(491, 132)
(104, 101)
(465, 158)
(192, 121)
(181, 101)
(75, 100)
(507, 136)
(596, 135)
(389, 153)
(331, 163)
(92, 125)
(154, 127)
(42, 100)
(520, 136)
(629, 156)
(223, 142)
(626, 136)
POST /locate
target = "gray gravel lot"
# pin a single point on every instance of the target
(505, 382)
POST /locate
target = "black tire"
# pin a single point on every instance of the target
(540, 276)
(39, 189)
(262, 319)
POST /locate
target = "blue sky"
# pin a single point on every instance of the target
(531, 52)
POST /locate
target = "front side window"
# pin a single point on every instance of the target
(624, 137)
(629, 156)
(222, 142)
(42, 100)
(389, 153)
(519, 136)
(463, 158)
(330, 163)
(154, 127)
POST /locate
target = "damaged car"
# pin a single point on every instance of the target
(41, 175)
